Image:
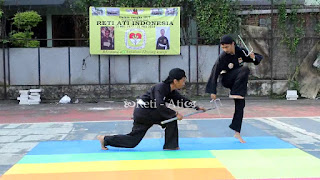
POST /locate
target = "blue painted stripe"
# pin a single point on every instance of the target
(115, 156)
(224, 143)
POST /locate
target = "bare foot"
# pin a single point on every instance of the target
(101, 139)
(237, 135)
(177, 148)
(236, 97)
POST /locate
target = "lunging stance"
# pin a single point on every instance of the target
(151, 109)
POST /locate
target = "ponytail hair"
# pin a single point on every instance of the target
(169, 80)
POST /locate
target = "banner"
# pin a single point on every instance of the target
(134, 31)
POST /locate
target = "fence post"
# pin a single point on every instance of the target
(197, 64)
(99, 69)
(4, 72)
(271, 48)
(159, 68)
(69, 65)
(9, 74)
(109, 71)
(39, 67)
(189, 60)
(129, 71)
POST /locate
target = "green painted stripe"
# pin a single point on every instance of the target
(114, 156)
(269, 163)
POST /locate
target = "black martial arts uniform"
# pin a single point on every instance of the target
(153, 112)
(235, 77)
(162, 43)
(107, 43)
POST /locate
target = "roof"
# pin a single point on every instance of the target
(32, 2)
(268, 3)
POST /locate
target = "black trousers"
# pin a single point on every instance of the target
(238, 115)
(143, 119)
(237, 80)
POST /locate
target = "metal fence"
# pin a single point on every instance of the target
(71, 66)
(75, 66)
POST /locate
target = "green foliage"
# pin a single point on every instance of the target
(80, 6)
(291, 26)
(293, 85)
(24, 21)
(317, 28)
(278, 96)
(216, 18)
(22, 39)
(1, 6)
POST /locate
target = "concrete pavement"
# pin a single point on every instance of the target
(108, 110)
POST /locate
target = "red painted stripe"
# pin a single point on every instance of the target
(71, 114)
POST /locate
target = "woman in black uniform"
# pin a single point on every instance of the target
(234, 76)
(152, 109)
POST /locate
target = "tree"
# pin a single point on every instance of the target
(25, 21)
(216, 18)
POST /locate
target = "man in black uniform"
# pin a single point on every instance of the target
(163, 42)
(152, 110)
(106, 40)
(234, 76)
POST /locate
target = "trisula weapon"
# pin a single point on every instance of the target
(244, 44)
(214, 104)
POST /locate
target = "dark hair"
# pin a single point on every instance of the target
(175, 73)
(226, 39)
(169, 80)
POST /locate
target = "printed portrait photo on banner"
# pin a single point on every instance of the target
(107, 38)
(163, 38)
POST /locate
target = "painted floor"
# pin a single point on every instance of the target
(262, 157)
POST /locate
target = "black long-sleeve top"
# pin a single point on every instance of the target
(160, 94)
(162, 43)
(226, 63)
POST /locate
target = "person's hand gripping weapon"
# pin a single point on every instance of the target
(250, 51)
(214, 103)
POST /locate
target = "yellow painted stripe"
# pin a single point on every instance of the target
(99, 166)
(168, 174)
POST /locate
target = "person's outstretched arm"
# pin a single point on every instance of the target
(182, 101)
(254, 58)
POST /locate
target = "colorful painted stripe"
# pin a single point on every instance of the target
(176, 174)
(99, 166)
(114, 156)
(269, 163)
(186, 144)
